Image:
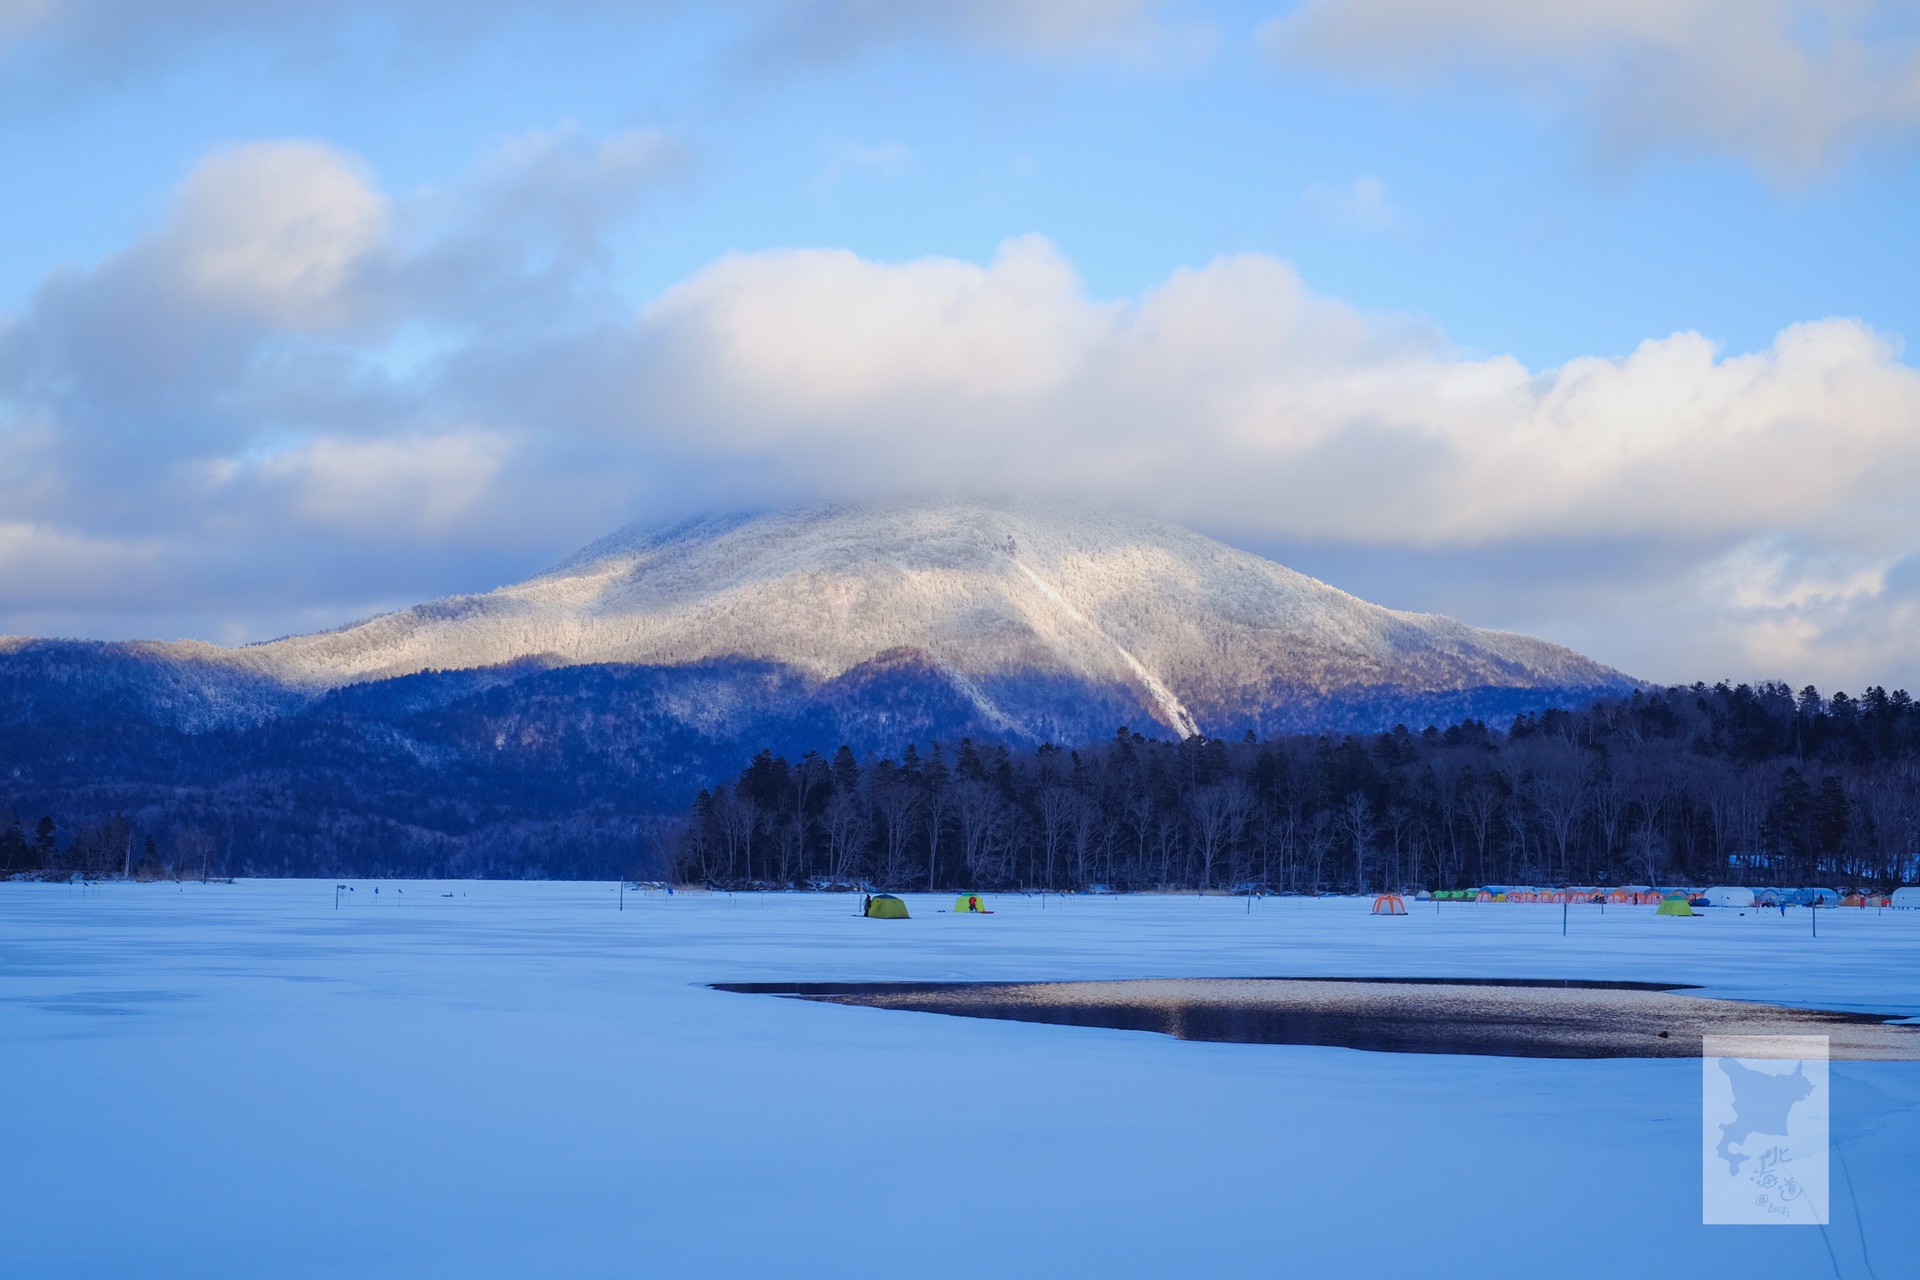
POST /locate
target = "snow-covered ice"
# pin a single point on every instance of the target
(522, 1080)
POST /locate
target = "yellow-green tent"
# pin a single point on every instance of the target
(971, 904)
(884, 906)
(1674, 907)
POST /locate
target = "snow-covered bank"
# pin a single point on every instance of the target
(522, 1080)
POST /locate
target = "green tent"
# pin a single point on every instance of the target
(884, 906)
(1674, 907)
(971, 904)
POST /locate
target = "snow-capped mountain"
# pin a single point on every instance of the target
(542, 724)
(1050, 620)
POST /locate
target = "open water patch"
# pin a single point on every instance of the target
(1505, 1017)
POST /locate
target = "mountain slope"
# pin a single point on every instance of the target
(541, 729)
(1038, 613)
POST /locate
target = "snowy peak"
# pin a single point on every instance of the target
(1020, 605)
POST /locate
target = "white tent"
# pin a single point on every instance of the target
(1907, 897)
(1723, 895)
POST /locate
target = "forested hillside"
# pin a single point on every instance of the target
(1686, 785)
(525, 769)
(588, 771)
(518, 771)
(552, 727)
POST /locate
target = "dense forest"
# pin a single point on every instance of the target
(1721, 784)
(149, 764)
(501, 773)
(525, 770)
(1685, 785)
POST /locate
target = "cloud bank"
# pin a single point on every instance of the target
(64, 43)
(301, 384)
(1788, 86)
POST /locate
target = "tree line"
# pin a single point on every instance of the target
(151, 844)
(1751, 784)
(100, 848)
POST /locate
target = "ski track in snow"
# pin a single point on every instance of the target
(1172, 713)
(522, 1080)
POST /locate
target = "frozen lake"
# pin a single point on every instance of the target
(521, 1080)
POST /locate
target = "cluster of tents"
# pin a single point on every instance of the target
(1683, 902)
(1627, 895)
(886, 906)
(1667, 902)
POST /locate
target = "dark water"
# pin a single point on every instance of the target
(1511, 1017)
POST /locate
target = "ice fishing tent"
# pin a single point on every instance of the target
(1389, 904)
(1674, 906)
(884, 906)
(1728, 895)
(971, 904)
(1907, 898)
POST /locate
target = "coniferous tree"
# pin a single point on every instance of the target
(14, 850)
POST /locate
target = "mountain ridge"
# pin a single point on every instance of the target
(547, 727)
(1050, 619)
(1196, 631)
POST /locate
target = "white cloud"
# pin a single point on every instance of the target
(1236, 382)
(1788, 86)
(805, 341)
(1763, 575)
(276, 229)
(253, 385)
(566, 180)
(416, 485)
(239, 392)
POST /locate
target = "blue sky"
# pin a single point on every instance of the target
(309, 310)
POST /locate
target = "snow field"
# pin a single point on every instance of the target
(522, 1080)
